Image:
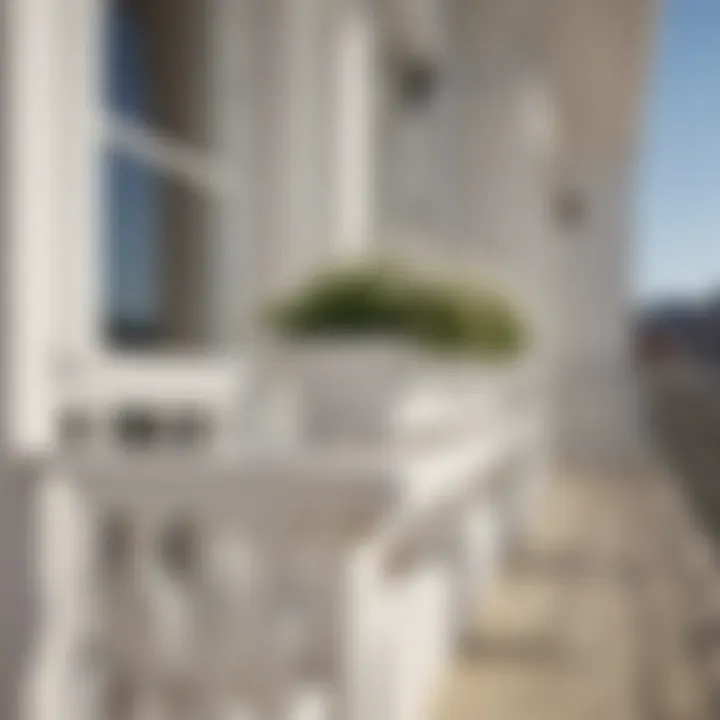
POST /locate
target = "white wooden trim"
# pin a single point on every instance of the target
(120, 378)
(33, 227)
(355, 90)
(78, 308)
(219, 173)
(230, 304)
(172, 157)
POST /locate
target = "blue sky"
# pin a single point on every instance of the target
(679, 190)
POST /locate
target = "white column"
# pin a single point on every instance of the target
(273, 689)
(58, 682)
(30, 213)
(594, 374)
(76, 239)
(302, 135)
(355, 117)
(234, 93)
(330, 623)
(32, 223)
(316, 134)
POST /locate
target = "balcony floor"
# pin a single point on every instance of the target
(609, 611)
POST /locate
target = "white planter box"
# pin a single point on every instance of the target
(370, 390)
(353, 390)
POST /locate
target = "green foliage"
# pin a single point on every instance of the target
(386, 301)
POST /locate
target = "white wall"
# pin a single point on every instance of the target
(594, 380)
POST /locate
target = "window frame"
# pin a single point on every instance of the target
(219, 173)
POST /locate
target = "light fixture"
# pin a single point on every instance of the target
(570, 208)
(417, 81)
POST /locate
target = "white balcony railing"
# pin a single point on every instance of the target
(278, 577)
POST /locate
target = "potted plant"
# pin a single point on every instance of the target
(360, 336)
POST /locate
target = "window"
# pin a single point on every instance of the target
(166, 171)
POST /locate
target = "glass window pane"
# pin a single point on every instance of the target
(158, 66)
(157, 250)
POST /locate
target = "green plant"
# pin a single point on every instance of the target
(460, 320)
(343, 301)
(386, 300)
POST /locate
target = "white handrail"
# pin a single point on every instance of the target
(323, 531)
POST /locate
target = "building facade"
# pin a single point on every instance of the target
(168, 165)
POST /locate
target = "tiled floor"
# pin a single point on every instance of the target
(611, 611)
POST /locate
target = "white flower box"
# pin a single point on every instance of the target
(374, 389)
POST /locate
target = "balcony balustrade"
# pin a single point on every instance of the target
(275, 578)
